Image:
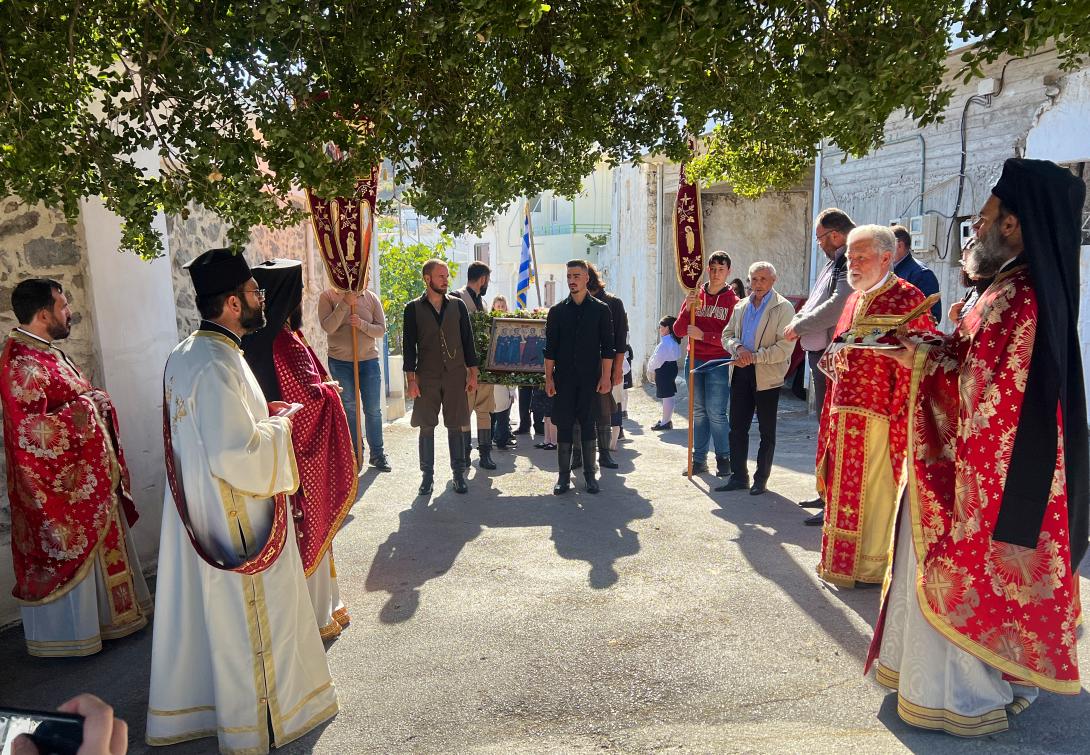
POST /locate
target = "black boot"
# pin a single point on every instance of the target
(456, 442)
(484, 448)
(577, 451)
(563, 478)
(605, 458)
(722, 465)
(467, 442)
(588, 470)
(426, 448)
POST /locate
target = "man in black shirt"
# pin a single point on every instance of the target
(578, 370)
(441, 370)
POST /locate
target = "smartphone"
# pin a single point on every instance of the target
(292, 409)
(53, 733)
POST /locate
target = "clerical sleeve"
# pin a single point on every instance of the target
(252, 454)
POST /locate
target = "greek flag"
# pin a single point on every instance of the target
(526, 268)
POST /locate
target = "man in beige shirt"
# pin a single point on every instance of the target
(338, 314)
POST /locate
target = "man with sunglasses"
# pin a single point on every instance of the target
(814, 323)
(235, 642)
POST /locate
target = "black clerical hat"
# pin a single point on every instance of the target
(217, 271)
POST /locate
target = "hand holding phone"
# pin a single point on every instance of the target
(85, 725)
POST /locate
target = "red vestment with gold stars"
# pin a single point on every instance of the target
(67, 480)
(323, 447)
(862, 440)
(1014, 608)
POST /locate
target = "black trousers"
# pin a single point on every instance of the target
(744, 400)
(576, 402)
(817, 379)
(525, 394)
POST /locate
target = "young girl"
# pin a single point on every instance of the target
(664, 364)
(504, 397)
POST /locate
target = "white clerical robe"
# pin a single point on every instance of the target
(77, 622)
(325, 597)
(232, 655)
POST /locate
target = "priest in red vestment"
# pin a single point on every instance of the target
(861, 440)
(288, 370)
(77, 576)
(982, 606)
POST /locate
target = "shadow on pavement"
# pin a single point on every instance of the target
(432, 533)
(766, 524)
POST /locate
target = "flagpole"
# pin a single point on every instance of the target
(533, 255)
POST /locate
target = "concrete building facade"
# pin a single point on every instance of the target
(638, 258)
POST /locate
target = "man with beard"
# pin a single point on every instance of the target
(441, 369)
(236, 651)
(77, 575)
(482, 400)
(861, 437)
(983, 604)
(579, 342)
(288, 370)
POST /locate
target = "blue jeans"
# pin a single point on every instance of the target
(370, 392)
(711, 399)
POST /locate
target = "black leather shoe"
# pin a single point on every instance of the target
(816, 520)
(734, 483)
(758, 487)
(380, 463)
(661, 426)
(699, 467)
(813, 503)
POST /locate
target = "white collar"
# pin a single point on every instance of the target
(878, 285)
(36, 338)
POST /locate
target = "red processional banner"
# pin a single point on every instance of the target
(688, 233)
(343, 227)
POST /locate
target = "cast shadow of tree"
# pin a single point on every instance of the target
(769, 522)
(432, 533)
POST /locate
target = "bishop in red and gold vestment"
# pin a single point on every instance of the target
(77, 576)
(982, 606)
(861, 440)
(288, 370)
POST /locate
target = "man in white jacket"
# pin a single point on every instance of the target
(755, 339)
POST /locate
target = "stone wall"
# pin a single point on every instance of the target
(38, 242)
(202, 230)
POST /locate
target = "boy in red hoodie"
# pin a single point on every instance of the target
(711, 387)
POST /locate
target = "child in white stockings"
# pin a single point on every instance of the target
(663, 364)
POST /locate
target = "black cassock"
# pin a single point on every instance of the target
(577, 338)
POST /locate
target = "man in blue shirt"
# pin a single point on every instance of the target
(912, 270)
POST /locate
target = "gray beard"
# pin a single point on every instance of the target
(988, 255)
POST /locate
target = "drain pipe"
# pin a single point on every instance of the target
(816, 202)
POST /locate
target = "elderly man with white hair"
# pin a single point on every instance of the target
(755, 338)
(862, 439)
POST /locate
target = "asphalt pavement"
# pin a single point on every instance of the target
(656, 616)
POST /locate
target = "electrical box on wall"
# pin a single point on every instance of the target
(924, 230)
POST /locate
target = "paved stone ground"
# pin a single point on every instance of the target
(656, 616)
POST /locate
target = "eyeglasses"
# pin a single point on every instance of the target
(258, 292)
(821, 236)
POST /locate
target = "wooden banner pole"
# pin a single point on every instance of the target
(359, 409)
(692, 385)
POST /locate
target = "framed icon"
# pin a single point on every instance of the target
(516, 345)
